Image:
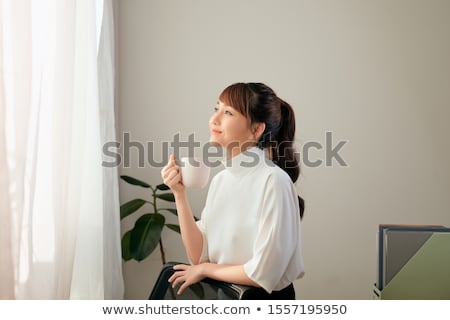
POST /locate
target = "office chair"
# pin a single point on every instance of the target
(207, 289)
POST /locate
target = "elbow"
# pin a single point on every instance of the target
(194, 259)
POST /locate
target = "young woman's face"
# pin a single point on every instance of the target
(230, 129)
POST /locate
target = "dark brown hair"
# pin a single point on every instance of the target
(259, 104)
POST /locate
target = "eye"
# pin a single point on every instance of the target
(228, 113)
(215, 109)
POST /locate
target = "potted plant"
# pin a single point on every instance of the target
(139, 242)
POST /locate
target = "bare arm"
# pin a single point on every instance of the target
(228, 273)
(190, 233)
(187, 275)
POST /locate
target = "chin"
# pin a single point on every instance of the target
(214, 143)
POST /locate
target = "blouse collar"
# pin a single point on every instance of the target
(245, 160)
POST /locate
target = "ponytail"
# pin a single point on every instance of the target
(282, 149)
(283, 153)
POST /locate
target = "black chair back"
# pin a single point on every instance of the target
(207, 289)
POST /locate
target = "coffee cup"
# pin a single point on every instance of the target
(194, 172)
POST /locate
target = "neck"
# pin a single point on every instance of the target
(233, 151)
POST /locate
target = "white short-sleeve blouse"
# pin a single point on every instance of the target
(251, 217)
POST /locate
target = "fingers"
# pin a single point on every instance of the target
(183, 287)
(172, 177)
(170, 165)
(178, 274)
(171, 173)
(180, 277)
(177, 278)
(180, 267)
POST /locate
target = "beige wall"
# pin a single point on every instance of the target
(375, 73)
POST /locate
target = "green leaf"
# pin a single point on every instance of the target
(198, 290)
(174, 211)
(162, 187)
(166, 196)
(126, 254)
(145, 235)
(135, 182)
(131, 206)
(173, 227)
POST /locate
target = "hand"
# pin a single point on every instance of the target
(171, 175)
(186, 275)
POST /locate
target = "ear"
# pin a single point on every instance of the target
(258, 129)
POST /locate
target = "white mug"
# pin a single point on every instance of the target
(194, 172)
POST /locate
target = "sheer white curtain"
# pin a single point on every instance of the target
(59, 218)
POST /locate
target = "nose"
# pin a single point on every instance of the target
(214, 120)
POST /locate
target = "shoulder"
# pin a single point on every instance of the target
(218, 176)
(278, 185)
(218, 180)
(275, 175)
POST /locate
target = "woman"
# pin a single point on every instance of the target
(249, 232)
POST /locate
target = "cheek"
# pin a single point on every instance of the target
(239, 135)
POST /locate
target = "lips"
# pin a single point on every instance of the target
(214, 131)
